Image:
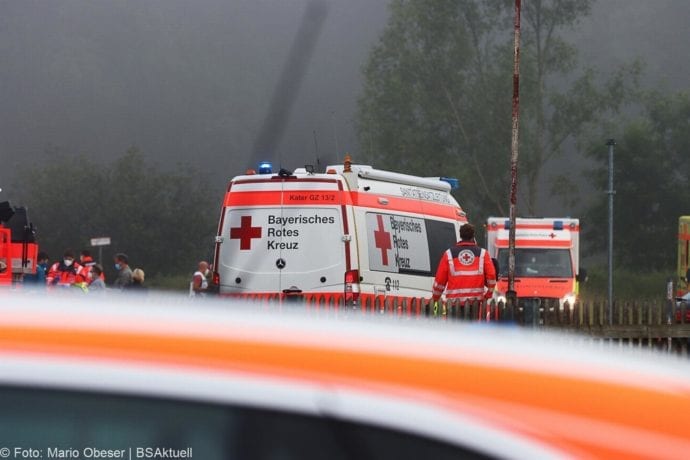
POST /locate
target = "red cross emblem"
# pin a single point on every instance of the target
(245, 232)
(383, 240)
(552, 235)
(466, 257)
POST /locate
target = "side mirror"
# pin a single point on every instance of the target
(6, 211)
(582, 276)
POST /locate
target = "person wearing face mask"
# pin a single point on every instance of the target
(124, 273)
(65, 273)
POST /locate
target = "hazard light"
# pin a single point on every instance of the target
(351, 295)
(214, 286)
(352, 276)
(265, 167)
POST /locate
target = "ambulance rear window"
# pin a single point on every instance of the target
(441, 236)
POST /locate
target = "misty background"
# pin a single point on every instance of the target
(192, 80)
(180, 80)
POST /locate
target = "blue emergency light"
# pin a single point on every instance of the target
(265, 167)
(454, 183)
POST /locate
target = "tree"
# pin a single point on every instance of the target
(437, 94)
(652, 184)
(164, 221)
(422, 81)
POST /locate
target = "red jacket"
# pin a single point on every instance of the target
(465, 270)
(61, 275)
(88, 263)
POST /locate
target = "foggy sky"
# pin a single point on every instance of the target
(180, 80)
(192, 80)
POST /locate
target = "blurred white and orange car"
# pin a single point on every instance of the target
(169, 379)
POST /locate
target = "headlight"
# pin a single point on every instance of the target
(569, 298)
(499, 297)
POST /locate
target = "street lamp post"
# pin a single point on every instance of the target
(611, 143)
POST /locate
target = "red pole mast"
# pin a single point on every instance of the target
(511, 294)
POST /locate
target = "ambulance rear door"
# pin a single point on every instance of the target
(283, 236)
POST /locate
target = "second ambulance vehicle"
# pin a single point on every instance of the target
(351, 233)
(547, 257)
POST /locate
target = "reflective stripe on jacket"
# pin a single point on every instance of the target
(465, 270)
(60, 274)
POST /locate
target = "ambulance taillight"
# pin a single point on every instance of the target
(351, 278)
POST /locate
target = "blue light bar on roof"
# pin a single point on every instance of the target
(265, 167)
(454, 183)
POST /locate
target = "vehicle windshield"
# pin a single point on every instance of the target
(537, 262)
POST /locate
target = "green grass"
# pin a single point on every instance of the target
(175, 283)
(627, 285)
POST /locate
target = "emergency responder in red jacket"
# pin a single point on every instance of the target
(66, 272)
(466, 271)
(87, 262)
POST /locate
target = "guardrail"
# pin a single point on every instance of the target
(653, 324)
(589, 316)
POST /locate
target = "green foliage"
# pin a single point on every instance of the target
(425, 86)
(438, 89)
(173, 283)
(627, 285)
(164, 221)
(652, 184)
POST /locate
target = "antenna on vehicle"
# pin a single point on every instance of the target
(335, 136)
(316, 148)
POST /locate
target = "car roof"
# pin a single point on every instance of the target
(497, 388)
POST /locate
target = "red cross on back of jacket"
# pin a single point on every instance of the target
(463, 272)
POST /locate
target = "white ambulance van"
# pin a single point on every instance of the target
(350, 234)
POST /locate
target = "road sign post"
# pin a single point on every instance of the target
(100, 242)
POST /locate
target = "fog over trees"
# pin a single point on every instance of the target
(180, 80)
(188, 86)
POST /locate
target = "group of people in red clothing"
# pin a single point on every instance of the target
(88, 275)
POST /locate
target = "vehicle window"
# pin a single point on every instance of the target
(43, 419)
(55, 422)
(538, 262)
(375, 443)
(407, 245)
(441, 236)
